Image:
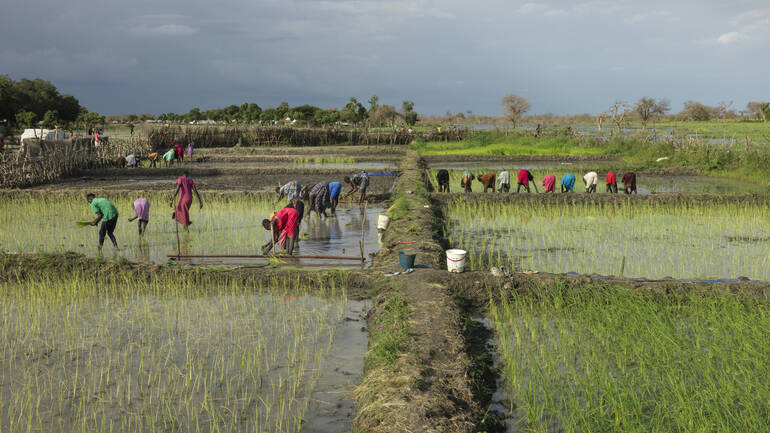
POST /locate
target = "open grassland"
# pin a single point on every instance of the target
(615, 359)
(160, 353)
(496, 144)
(644, 239)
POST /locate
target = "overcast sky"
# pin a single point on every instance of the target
(565, 57)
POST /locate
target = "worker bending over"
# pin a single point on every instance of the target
(504, 181)
(442, 177)
(612, 183)
(284, 226)
(488, 180)
(568, 182)
(549, 183)
(629, 182)
(524, 178)
(358, 182)
(591, 179)
(107, 213)
(466, 181)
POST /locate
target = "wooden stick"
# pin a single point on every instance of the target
(361, 243)
(259, 256)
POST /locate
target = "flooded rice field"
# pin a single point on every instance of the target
(85, 355)
(701, 241)
(225, 226)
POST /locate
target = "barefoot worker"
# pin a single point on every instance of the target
(549, 182)
(629, 182)
(488, 180)
(290, 190)
(591, 179)
(319, 198)
(335, 188)
(359, 182)
(185, 188)
(466, 181)
(142, 209)
(525, 177)
(442, 177)
(153, 157)
(504, 181)
(284, 226)
(568, 182)
(107, 213)
(168, 157)
(612, 183)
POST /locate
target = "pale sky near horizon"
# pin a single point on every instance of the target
(564, 57)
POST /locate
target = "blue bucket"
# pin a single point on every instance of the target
(406, 260)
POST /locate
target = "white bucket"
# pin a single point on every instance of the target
(383, 221)
(455, 260)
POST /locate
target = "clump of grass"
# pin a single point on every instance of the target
(615, 359)
(389, 337)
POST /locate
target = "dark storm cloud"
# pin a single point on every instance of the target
(563, 56)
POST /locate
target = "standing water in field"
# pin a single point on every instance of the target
(226, 225)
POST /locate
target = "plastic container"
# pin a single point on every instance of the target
(455, 260)
(383, 221)
(406, 260)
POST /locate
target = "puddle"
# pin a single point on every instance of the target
(331, 407)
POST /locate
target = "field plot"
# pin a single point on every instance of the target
(228, 224)
(168, 354)
(616, 359)
(646, 184)
(714, 240)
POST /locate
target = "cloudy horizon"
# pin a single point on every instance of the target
(564, 57)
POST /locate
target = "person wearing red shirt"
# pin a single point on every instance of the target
(523, 180)
(284, 225)
(612, 183)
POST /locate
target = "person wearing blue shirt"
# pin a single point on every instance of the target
(334, 194)
(568, 182)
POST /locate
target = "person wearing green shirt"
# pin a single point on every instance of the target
(107, 213)
(168, 157)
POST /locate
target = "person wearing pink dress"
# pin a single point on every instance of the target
(185, 188)
(549, 182)
(142, 209)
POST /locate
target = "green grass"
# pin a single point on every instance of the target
(389, 337)
(617, 359)
(496, 144)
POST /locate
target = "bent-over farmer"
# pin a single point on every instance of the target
(504, 181)
(284, 226)
(466, 181)
(142, 209)
(290, 190)
(359, 182)
(107, 213)
(568, 182)
(591, 179)
(153, 157)
(524, 178)
(335, 188)
(549, 183)
(319, 198)
(442, 177)
(612, 182)
(168, 157)
(185, 188)
(488, 180)
(629, 182)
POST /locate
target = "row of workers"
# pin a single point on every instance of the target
(525, 178)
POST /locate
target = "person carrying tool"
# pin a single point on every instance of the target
(629, 182)
(525, 177)
(488, 180)
(442, 177)
(107, 213)
(549, 183)
(142, 209)
(185, 188)
(466, 181)
(568, 182)
(335, 188)
(359, 182)
(504, 181)
(591, 179)
(290, 190)
(612, 183)
(284, 226)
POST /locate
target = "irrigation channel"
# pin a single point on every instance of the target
(88, 343)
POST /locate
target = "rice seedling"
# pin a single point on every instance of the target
(160, 354)
(637, 239)
(616, 359)
(226, 225)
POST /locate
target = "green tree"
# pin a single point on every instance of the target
(51, 119)
(353, 112)
(410, 116)
(25, 119)
(88, 120)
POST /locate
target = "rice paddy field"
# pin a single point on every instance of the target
(649, 240)
(646, 184)
(617, 359)
(163, 353)
(226, 225)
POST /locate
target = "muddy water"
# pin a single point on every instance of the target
(369, 166)
(331, 408)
